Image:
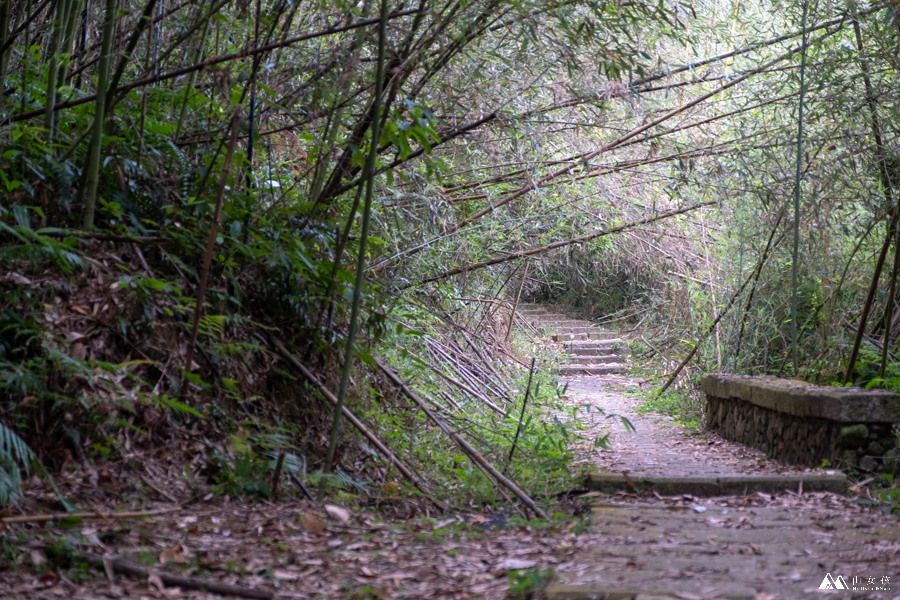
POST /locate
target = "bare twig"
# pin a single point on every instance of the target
(87, 515)
(126, 567)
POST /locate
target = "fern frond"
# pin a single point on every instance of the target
(14, 454)
(13, 450)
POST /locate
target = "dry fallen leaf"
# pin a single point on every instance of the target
(38, 558)
(392, 488)
(285, 575)
(154, 581)
(172, 555)
(367, 572)
(313, 525)
(511, 564)
(444, 523)
(341, 515)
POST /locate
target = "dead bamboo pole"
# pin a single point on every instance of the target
(515, 306)
(453, 381)
(471, 452)
(373, 439)
(893, 208)
(563, 243)
(465, 372)
(114, 516)
(127, 567)
(724, 311)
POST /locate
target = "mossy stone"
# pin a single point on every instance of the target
(849, 458)
(867, 463)
(854, 435)
(875, 449)
(891, 461)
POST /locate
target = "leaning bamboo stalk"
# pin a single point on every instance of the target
(563, 243)
(734, 297)
(839, 21)
(515, 306)
(889, 200)
(377, 443)
(463, 371)
(488, 363)
(455, 382)
(471, 452)
(617, 142)
(206, 64)
(210, 246)
(142, 24)
(484, 371)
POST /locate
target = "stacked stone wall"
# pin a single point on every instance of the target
(801, 424)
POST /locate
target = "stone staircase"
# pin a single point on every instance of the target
(590, 350)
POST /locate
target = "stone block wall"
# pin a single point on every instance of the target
(804, 424)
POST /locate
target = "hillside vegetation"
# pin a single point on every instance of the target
(224, 225)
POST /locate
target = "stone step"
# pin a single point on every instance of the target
(604, 359)
(577, 329)
(565, 326)
(570, 337)
(598, 344)
(833, 481)
(604, 350)
(589, 369)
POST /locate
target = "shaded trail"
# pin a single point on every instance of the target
(699, 517)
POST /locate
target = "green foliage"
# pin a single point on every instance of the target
(525, 583)
(244, 477)
(15, 457)
(682, 405)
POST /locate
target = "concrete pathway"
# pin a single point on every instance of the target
(698, 517)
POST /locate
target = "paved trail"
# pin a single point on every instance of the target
(779, 532)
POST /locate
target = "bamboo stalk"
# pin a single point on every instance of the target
(759, 266)
(459, 384)
(212, 61)
(371, 437)
(889, 199)
(364, 234)
(795, 266)
(56, 37)
(471, 452)
(515, 307)
(210, 246)
(512, 449)
(126, 567)
(889, 308)
(92, 163)
(87, 515)
(562, 244)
